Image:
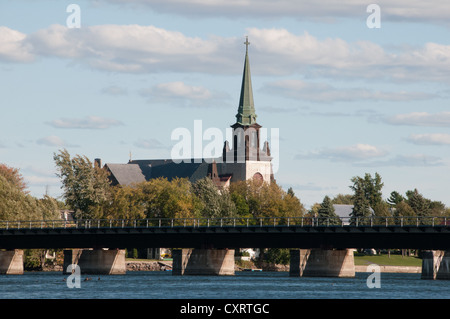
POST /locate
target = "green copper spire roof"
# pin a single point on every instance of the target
(246, 111)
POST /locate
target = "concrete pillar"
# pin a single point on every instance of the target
(322, 263)
(96, 262)
(436, 265)
(11, 262)
(203, 262)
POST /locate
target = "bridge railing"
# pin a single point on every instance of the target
(373, 221)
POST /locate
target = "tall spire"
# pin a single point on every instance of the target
(246, 111)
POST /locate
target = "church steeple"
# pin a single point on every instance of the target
(246, 112)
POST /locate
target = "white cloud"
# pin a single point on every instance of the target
(415, 160)
(52, 140)
(89, 122)
(430, 139)
(392, 10)
(13, 47)
(180, 90)
(125, 48)
(322, 92)
(149, 49)
(114, 90)
(180, 93)
(356, 152)
(441, 119)
(150, 144)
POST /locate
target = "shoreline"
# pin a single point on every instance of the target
(167, 265)
(154, 265)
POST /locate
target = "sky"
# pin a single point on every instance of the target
(351, 88)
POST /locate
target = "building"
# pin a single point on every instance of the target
(242, 161)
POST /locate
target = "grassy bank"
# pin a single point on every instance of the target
(385, 260)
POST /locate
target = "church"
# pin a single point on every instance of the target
(242, 161)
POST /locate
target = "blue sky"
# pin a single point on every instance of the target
(347, 99)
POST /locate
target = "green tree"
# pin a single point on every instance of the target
(403, 212)
(419, 204)
(361, 206)
(279, 256)
(126, 202)
(17, 204)
(169, 199)
(367, 197)
(343, 199)
(86, 187)
(215, 203)
(265, 200)
(395, 198)
(326, 213)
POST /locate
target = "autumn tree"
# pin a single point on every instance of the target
(264, 200)
(126, 202)
(13, 176)
(169, 199)
(17, 204)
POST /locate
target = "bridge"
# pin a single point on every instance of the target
(227, 234)
(268, 232)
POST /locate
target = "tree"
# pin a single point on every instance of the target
(13, 176)
(367, 197)
(419, 204)
(86, 187)
(326, 213)
(279, 256)
(361, 206)
(215, 203)
(264, 200)
(395, 198)
(126, 202)
(342, 199)
(17, 204)
(169, 199)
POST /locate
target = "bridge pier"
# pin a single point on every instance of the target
(436, 265)
(203, 262)
(11, 262)
(321, 263)
(97, 261)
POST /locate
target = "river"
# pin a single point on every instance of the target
(244, 285)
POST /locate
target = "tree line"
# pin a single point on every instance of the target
(17, 204)
(88, 191)
(367, 200)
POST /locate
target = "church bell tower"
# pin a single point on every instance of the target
(245, 159)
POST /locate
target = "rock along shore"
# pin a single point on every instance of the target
(155, 265)
(167, 265)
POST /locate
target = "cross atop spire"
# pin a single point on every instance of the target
(246, 43)
(246, 111)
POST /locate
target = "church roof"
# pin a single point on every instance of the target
(126, 174)
(137, 171)
(246, 111)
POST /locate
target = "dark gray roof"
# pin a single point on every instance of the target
(343, 210)
(126, 174)
(137, 171)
